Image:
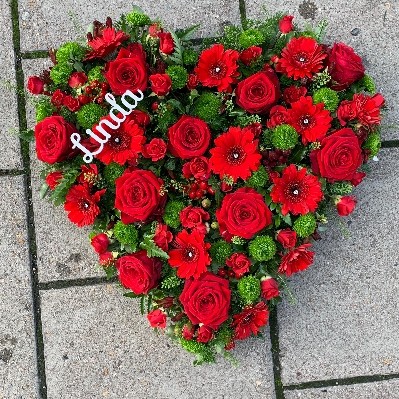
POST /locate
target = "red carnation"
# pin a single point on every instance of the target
(191, 254)
(346, 205)
(53, 179)
(302, 57)
(35, 85)
(166, 43)
(81, 205)
(235, 154)
(250, 320)
(106, 41)
(250, 54)
(73, 104)
(368, 109)
(217, 67)
(198, 168)
(162, 236)
(157, 319)
(293, 94)
(346, 112)
(239, 263)
(57, 98)
(194, 217)
(100, 243)
(297, 260)
(269, 288)
(155, 149)
(297, 191)
(310, 120)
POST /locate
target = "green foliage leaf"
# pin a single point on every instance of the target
(59, 193)
(152, 249)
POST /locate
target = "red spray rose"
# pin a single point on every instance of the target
(194, 217)
(192, 81)
(243, 213)
(278, 116)
(198, 168)
(138, 195)
(163, 237)
(269, 288)
(189, 137)
(52, 136)
(346, 205)
(296, 260)
(206, 300)
(339, 156)
(188, 332)
(259, 92)
(285, 24)
(166, 43)
(344, 66)
(35, 85)
(250, 320)
(73, 104)
(57, 98)
(77, 79)
(205, 334)
(157, 318)
(293, 94)
(53, 179)
(100, 243)
(155, 149)
(287, 238)
(239, 263)
(250, 54)
(161, 83)
(138, 272)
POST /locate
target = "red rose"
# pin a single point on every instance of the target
(251, 54)
(205, 334)
(35, 85)
(194, 217)
(161, 83)
(346, 112)
(100, 243)
(206, 300)
(239, 263)
(138, 272)
(259, 92)
(157, 318)
(163, 237)
(139, 117)
(297, 260)
(52, 136)
(71, 103)
(77, 79)
(243, 213)
(166, 43)
(346, 205)
(127, 72)
(339, 156)
(344, 66)
(189, 137)
(138, 196)
(155, 149)
(57, 98)
(285, 24)
(278, 116)
(287, 238)
(255, 128)
(53, 179)
(293, 94)
(269, 288)
(198, 168)
(154, 29)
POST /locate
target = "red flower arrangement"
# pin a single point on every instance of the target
(206, 196)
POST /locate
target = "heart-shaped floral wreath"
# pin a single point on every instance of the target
(205, 170)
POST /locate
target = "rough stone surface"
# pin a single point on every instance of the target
(346, 321)
(63, 250)
(98, 345)
(376, 390)
(38, 19)
(369, 26)
(9, 155)
(17, 350)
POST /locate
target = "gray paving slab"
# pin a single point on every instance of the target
(98, 345)
(9, 154)
(345, 322)
(38, 18)
(63, 250)
(372, 390)
(369, 26)
(17, 353)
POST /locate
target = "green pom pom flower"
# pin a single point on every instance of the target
(220, 251)
(368, 83)
(373, 144)
(327, 96)
(321, 79)
(179, 76)
(284, 137)
(258, 178)
(251, 37)
(305, 225)
(207, 106)
(60, 73)
(340, 188)
(190, 57)
(112, 171)
(44, 108)
(249, 289)
(90, 114)
(70, 52)
(126, 234)
(96, 73)
(262, 248)
(172, 213)
(137, 19)
(203, 352)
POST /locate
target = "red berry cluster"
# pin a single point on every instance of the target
(198, 190)
(94, 92)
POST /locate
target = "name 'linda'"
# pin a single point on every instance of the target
(118, 119)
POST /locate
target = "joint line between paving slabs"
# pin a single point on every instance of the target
(80, 282)
(243, 13)
(11, 172)
(24, 146)
(390, 144)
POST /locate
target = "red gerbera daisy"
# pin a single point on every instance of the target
(82, 205)
(250, 320)
(191, 255)
(235, 154)
(298, 191)
(296, 260)
(310, 120)
(302, 57)
(125, 143)
(217, 67)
